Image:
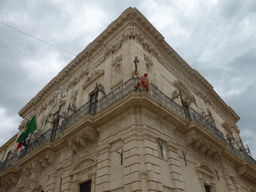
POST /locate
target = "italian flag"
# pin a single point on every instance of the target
(30, 128)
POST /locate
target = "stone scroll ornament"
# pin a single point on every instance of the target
(143, 82)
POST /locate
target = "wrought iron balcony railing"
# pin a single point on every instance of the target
(109, 99)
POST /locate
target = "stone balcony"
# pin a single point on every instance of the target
(203, 136)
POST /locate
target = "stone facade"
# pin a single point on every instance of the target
(95, 129)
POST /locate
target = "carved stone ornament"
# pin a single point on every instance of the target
(58, 96)
(83, 72)
(92, 72)
(22, 125)
(146, 45)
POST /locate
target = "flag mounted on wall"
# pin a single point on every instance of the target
(30, 128)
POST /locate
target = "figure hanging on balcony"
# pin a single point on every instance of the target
(143, 82)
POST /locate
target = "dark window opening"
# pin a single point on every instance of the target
(92, 103)
(85, 187)
(186, 110)
(207, 188)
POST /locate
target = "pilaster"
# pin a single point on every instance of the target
(175, 169)
(237, 184)
(103, 169)
(152, 162)
(51, 183)
(131, 163)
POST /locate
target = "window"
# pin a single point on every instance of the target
(186, 109)
(92, 103)
(85, 187)
(207, 188)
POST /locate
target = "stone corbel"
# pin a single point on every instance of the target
(90, 133)
(197, 144)
(74, 146)
(192, 137)
(146, 45)
(131, 31)
(246, 174)
(6, 183)
(36, 171)
(155, 51)
(83, 142)
(10, 181)
(210, 151)
(204, 148)
(26, 170)
(44, 163)
(108, 50)
(216, 155)
(50, 157)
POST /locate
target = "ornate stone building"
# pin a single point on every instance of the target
(97, 133)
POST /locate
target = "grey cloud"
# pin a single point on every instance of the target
(236, 9)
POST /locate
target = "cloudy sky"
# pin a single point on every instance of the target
(215, 37)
